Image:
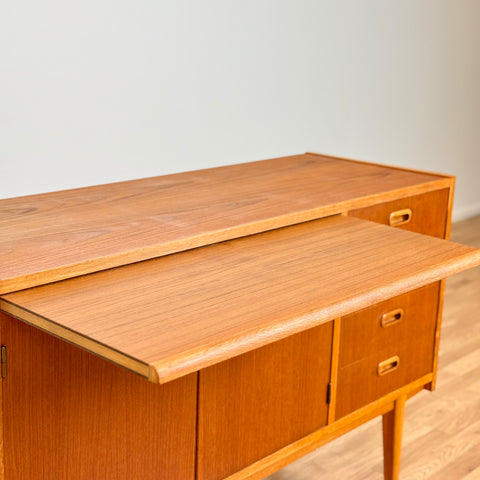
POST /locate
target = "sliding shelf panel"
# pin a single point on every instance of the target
(176, 314)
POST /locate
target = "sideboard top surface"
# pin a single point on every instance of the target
(49, 237)
(173, 315)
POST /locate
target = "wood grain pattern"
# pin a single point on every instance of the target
(438, 327)
(50, 237)
(441, 438)
(70, 415)
(272, 463)
(2, 444)
(362, 334)
(442, 294)
(359, 383)
(184, 312)
(450, 208)
(431, 216)
(364, 344)
(337, 328)
(429, 212)
(366, 162)
(257, 403)
(392, 439)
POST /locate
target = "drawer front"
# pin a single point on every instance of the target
(255, 404)
(365, 381)
(425, 213)
(393, 323)
(374, 359)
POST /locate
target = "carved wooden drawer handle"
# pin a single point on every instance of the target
(391, 318)
(388, 365)
(401, 217)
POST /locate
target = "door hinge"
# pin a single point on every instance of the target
(3, 360)
(329, 393)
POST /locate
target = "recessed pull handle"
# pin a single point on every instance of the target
(401, 217)
(391, 318)
(388, 365)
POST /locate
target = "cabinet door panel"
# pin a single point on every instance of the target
(254, 404)
(69, 415)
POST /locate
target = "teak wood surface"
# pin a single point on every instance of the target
(365, 343)
(362, 332)
(53, 236)
(392, 439)
(281, 458)
(429, 212)
(441, 438)
(177, 314)
(266, 319)
(69, 415)
(257, 403)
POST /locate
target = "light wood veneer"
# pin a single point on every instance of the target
(69, 415)
(365, 344)
(429, 212)
(177, 314)
(53, 236)
(261, 401)
(291, 331)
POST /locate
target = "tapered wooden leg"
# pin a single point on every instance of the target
(392, 439)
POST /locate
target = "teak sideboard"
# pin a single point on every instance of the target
(218, 324)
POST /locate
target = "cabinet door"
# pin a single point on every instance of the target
(254, 404)
(69, 415)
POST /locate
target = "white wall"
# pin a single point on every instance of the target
(103, 90)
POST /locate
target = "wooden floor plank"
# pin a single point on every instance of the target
(442, 429)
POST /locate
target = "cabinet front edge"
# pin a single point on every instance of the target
(78, 340)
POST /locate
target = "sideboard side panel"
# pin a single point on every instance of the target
(432, 385)
(71, 415)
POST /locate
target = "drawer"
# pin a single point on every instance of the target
(376, 360)
(425, 213)
(370, 378)
(391, 323)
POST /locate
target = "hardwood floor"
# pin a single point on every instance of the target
(442, 429)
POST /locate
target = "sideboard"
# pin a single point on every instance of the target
(221, 323)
